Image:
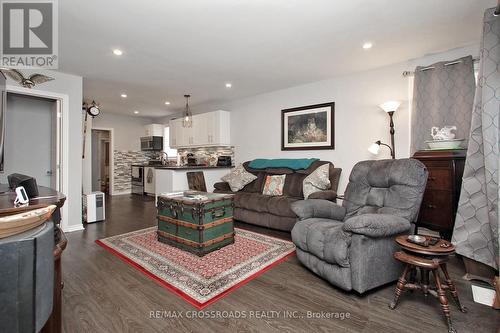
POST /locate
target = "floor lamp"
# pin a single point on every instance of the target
(390, 107)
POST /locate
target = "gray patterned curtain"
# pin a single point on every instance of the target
(476, 227)
(442, 96)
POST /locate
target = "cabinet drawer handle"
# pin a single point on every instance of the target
(430, 206)
(432, 178)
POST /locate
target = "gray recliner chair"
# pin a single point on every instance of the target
(352, 245)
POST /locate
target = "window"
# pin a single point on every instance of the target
(166, 143)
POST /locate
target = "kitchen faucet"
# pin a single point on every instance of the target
(164, 159)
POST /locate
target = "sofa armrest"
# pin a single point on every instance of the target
(222, 186)
(318, 208)
(329, 195)
(376, 225)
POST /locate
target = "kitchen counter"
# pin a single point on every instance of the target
(174, 178)
(189, 167)
(183, 167)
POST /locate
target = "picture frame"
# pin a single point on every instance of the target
(310, 127)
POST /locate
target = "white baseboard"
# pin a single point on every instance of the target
(72, 228)
(121, 192)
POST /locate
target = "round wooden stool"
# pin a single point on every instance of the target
(427, 259)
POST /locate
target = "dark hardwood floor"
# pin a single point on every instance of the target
(103, 294)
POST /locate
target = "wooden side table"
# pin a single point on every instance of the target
(427, 259)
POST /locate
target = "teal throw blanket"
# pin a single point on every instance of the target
(290, 163)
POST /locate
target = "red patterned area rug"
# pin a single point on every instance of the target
(200, 280)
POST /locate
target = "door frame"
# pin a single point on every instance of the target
(111, 157)
(62, 150)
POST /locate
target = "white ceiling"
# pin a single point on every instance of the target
(172, 47)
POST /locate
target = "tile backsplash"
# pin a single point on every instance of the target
(208, 155)
(123, 159)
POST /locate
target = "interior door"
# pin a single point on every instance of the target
(30, 134)
(3, 106)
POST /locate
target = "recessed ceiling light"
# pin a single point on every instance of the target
(123, 95)
(367, 45)
(117, 52)
(228, 85)
(167, 103)
(136, 112)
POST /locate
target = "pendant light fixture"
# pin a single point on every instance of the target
(187, 120)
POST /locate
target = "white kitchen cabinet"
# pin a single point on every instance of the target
(153, 130)
(173, 133)
(179, 136)
(200, 123)
(186, 137)
(218, 128)
(209, 129)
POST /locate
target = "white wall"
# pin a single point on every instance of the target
(71, 86)
(127, 130)
(256, 121)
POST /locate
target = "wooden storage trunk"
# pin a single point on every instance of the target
(197, 226)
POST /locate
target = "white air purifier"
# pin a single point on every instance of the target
(93, 207)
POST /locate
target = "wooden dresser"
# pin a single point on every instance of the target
(440, 202)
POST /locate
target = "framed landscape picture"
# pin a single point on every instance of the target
(308, 127)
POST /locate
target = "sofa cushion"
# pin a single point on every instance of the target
(276, 205)
(278, 171)
(281, 206)
(274, 185)
(256, 185)
(312, 167)
(293, 185)
(252, 201)
(238, 178)
(323, 238)
(318, 180)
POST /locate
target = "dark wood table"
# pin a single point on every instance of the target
(431, 258)
(48, 197)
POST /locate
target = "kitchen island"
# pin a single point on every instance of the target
(174, 178)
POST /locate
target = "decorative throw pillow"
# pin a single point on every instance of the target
(318, 180)
(274, 185)
(238, 178)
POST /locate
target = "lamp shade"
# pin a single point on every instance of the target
(374, 148)
(390, 106)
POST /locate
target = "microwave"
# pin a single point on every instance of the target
(152, 143)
